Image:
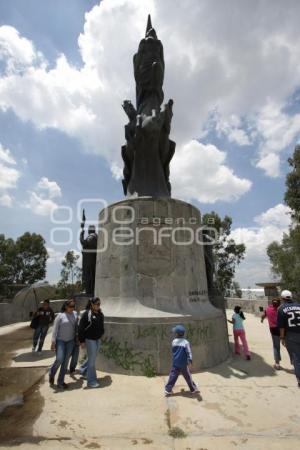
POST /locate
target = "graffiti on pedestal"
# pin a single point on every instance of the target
(126, 358)
(196, 334)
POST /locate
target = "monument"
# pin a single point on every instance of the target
(89, 255)
(151, 268)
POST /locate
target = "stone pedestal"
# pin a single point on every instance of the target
(150, 276)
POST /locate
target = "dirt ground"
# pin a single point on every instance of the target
(243, 404)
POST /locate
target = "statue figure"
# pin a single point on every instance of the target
(148, 150)
(89, 255)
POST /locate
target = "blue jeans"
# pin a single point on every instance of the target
(63, 353)
(276, 348)
(92, 348)
(39, 336)
(292, 341)
(74, 357)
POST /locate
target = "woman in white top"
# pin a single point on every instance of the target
(63, 339)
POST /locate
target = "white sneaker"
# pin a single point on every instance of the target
(167, 393)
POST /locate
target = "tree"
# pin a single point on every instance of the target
(7, 258)
(226, 253)
(292, 194)
(285, 259)
(23, 261)
(31, 258)
(70, 272)
(237, 289)
(285, 256)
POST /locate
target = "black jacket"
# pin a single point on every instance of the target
(91, 326)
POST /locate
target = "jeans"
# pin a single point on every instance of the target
(74, 357)
(276, 348)
(174, 374)
(39, 336)
(63, 353)
(292, 341)
(92, 348)
(242, 335)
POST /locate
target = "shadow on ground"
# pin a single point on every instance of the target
(33, 356)
(238, 367)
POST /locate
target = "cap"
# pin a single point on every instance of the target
(286, 294)
(179, 329)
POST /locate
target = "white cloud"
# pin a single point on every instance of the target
(6, 156)
(270, 164)
(9, 176)
(279, 215)
(41, 200)
(256, 266)
(17, 51)
(6, 200)
(232, 128)
(241, 60)
(277, 130)
(55, 256)
(199, 172)
(39, 205)
(51, 187)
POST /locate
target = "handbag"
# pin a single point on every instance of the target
(34, 323)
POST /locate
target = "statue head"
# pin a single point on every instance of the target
(91, 229)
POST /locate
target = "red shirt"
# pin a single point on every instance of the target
(271, 313)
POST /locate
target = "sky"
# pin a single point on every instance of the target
(232, 69)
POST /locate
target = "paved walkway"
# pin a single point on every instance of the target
(243, 405)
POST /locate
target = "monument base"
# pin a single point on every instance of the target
(151, 276)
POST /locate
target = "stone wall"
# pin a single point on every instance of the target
(10, 314)
(250, 306)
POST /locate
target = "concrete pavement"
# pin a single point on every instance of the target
(243, 405)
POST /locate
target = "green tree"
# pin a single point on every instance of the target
(236, 289)
(70, 281)
(31, 258)
(23, 261)
(7, 258)
(292, 194)
(285, 256)
(226, 253)
(70, 272)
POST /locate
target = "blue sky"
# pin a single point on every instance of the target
(233, 72)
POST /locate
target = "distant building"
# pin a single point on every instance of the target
(270, 288)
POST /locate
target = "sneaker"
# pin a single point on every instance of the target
(93, 385)
(195, 391)
(62, 386)
(167, 393)
(277, 367)
(51, 380)
(248, 357)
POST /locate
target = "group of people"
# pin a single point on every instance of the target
(283, 316)
(70, 332)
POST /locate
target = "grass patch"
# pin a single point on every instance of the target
(177, 433)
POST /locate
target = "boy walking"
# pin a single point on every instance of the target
(182, 361)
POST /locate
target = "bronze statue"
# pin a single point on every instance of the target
(148, 150)
(89, 256)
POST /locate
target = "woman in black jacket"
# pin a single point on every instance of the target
(91, 328)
